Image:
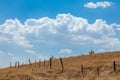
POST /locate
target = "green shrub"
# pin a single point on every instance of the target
(91, 52)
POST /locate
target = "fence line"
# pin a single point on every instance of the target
(50, 63)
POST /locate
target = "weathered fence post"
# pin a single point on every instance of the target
(15, 64)
(62, 64)
(29, 62)
(98, 71)
(44, 63)
(39, 62)
(50, 63)
(114, 66)
(82, 70)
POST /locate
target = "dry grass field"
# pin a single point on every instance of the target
(95, 67)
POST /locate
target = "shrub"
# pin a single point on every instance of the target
(91, 52)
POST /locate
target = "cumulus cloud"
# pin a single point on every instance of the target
(103, 4)
(21, 40)
(65, 29)
(65, 51)
(116, 26)
(12, 31)
(3, 39)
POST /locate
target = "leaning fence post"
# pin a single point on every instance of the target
(82, 70)
(98, 71)
(114, 66)
(62, 64)
(29, 62)
(50, 63)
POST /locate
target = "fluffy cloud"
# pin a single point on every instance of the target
(65, 51)
(65, 29)
(3, 39)
(117, 26)
(12, 31)
(98, 4)
(21, 40)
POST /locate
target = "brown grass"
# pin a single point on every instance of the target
(72, 67)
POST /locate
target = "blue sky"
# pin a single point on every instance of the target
(37, 29)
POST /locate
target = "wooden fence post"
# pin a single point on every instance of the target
(98, 71)
(50, 63)
(15, 64)
(44, 63)
(29, 62)
(114, 66)
(39, 62)
(82, 70)
(62, 64)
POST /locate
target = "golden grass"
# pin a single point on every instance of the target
(72, 67)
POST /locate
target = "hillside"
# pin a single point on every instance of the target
(95, 67)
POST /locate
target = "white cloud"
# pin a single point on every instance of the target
(116, 26)
(103, 4)
(90, 5)
(20, 40)
(65, 51)
(13, 31)
(101, 27)
(64, 29)
(31, 51)
(3, 39)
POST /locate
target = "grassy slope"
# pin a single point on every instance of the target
(72, 67)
